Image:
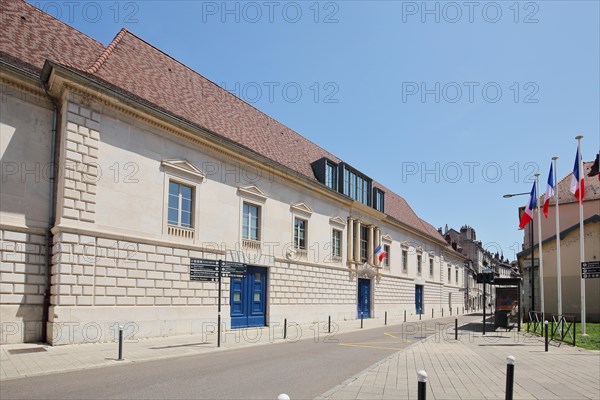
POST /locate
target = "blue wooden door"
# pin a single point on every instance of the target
(364, 298)
(419, 299)
(248, 299)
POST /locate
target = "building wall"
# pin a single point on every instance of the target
(568, 215)
(115, 262)
(571, 274)
(25, 131)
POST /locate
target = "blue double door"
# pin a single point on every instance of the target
(248, 299)
(364, 298)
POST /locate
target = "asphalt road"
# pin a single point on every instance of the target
(303, 370)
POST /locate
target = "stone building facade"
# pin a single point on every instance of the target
(120, 166)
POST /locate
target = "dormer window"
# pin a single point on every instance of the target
(378, 199)
(356, 185)
(331, 175)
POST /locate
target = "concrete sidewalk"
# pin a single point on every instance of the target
(474, 367)
(28, 359)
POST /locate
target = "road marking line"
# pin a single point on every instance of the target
(369, 347)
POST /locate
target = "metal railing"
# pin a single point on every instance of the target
(536, 319)
(563, 328)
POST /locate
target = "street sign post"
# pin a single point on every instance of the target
(590, 269)
(214, 271)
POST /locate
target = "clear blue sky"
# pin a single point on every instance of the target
(371, 60)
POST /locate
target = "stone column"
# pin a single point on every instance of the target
(370, 248)
(357, 241)
(350, 238)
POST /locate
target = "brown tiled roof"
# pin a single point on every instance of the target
(29, 37)
(136, 67)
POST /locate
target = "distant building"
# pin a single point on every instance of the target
(478, 259)
(569, 250)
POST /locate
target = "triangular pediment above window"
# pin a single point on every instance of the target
(253, 192)
(404, 244)
(386, 238)
(301, 208)
(184, 167)
(337, 221)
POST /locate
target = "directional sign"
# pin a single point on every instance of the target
(590, 269)
(203, 261)
(208, 270)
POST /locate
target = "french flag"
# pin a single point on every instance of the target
(380, 253)
(577, 185)
(549, 191)
(527, 216)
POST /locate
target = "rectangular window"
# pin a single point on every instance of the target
(346, 182)
(386, 260)
(404, 260)
(180, 205)
(336, 243)
(449, 274)
(431, 267)
(419, 261)
(356, 186)
(359, 190)
(251, 222)
(363, 243)
(456, 276)
(330, 176)
(378, 200)
(300, 226)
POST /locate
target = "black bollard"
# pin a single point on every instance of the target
(546, 336)
(120, 343)
(329, 325)
(404, 315)
(385, 322)
(361, 320)
(422, 385)
(456, 329)
(432, 313)
(574, 333)
(510, 377)
(420, 316)
(442, 312)
(285, 328)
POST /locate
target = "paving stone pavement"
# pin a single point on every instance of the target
(474, 367)
(28, 359)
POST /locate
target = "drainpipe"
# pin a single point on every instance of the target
(51, 218)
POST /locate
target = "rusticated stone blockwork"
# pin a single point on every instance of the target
(81, 167)
(22, 282)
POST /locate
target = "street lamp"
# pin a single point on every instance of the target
(508, 196)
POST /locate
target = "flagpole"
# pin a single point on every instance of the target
(539, 221)
(581, 234)
(558, 269)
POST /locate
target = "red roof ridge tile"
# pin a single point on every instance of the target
(107, 52)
